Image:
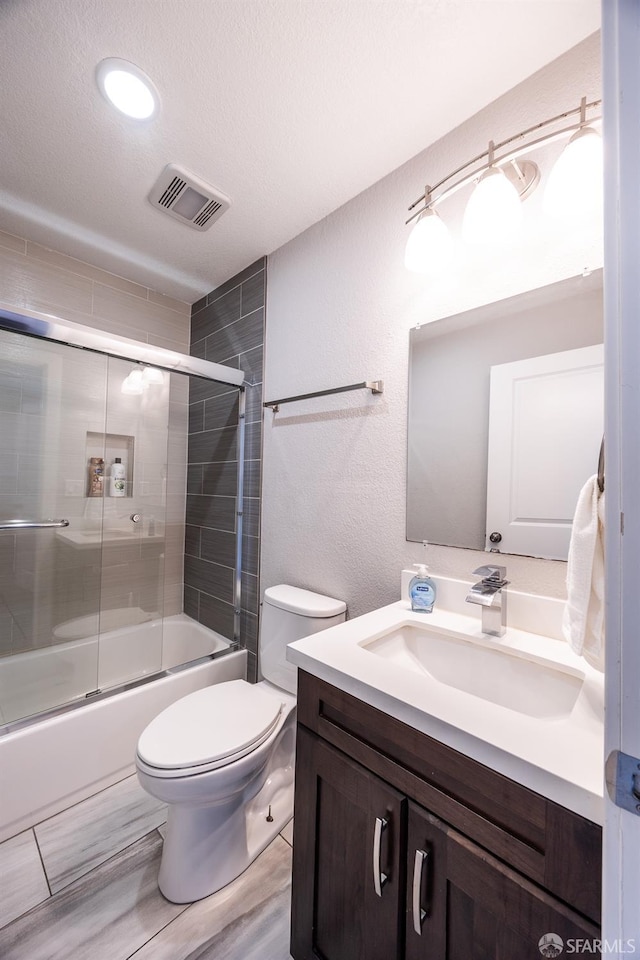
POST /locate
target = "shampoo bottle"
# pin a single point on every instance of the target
(422, 589)
(96, 476)
(118, 482)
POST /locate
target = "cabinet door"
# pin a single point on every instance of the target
(464, 904)
(348, 824)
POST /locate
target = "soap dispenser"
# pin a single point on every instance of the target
(422, 589)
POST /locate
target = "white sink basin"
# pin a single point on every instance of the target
(523, 704)
(524, 683)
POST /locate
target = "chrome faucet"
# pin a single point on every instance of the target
(491, 594)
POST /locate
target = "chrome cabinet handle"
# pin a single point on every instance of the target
(379, 878)
(418, 913)
(31, 524)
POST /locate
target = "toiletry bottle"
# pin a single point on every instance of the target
(118, 481)
(422, 590)
(96, 476)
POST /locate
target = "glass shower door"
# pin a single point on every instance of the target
(93, 487)
(135, 449)
(51, 397)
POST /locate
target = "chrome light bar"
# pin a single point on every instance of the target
(48, 327)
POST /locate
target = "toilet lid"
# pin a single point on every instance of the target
(210, 724)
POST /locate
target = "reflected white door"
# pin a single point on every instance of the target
(546, 418)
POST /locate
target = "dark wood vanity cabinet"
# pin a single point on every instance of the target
(339, 915)
(406, 850)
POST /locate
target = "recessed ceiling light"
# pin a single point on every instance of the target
(127, 88)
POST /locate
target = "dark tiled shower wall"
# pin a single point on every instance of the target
(227, 326)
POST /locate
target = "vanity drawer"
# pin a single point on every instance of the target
(550, 845)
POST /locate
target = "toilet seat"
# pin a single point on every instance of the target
(207, 729)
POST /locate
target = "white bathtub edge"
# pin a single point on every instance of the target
(54, 764)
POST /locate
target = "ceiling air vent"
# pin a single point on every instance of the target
(187, 198)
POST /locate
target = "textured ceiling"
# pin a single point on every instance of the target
(290, 107)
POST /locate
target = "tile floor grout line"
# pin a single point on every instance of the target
(82, 876)
(142, 946)
(49, 900)
(139, 950)
(72, 805)
(44, 869)
(26, 913)
(195, 903)
(96, 866)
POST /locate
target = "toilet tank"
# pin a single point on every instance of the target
(288, 614)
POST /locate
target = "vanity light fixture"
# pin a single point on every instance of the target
(430, 246)
(494, 212)
(127, 88)
(574, 187)
(502, 180)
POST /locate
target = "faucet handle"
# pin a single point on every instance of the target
(491, 572)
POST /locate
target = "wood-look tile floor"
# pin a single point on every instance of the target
(105, 903)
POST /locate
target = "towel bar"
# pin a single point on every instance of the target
(376, 386)
(31, 524)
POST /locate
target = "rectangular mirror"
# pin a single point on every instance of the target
(546, 419)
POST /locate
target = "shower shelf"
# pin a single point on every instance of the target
(109, 446)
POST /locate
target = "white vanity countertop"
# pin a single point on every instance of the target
(561, 759)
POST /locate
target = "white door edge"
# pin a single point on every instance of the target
(621, 91)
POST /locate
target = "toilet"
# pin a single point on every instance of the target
(222, 758)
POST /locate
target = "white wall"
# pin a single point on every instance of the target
(340, 305)
(37, 278)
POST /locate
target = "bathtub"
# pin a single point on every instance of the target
(81, 663)
(62, 759)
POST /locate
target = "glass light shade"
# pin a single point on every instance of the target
(429, 247)
(133, 385)
(127, 88)
(494, 211)
(574, 187)
(152, 375)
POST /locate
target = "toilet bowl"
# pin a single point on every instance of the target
(222, 758)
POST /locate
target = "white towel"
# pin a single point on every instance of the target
(583, 620)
